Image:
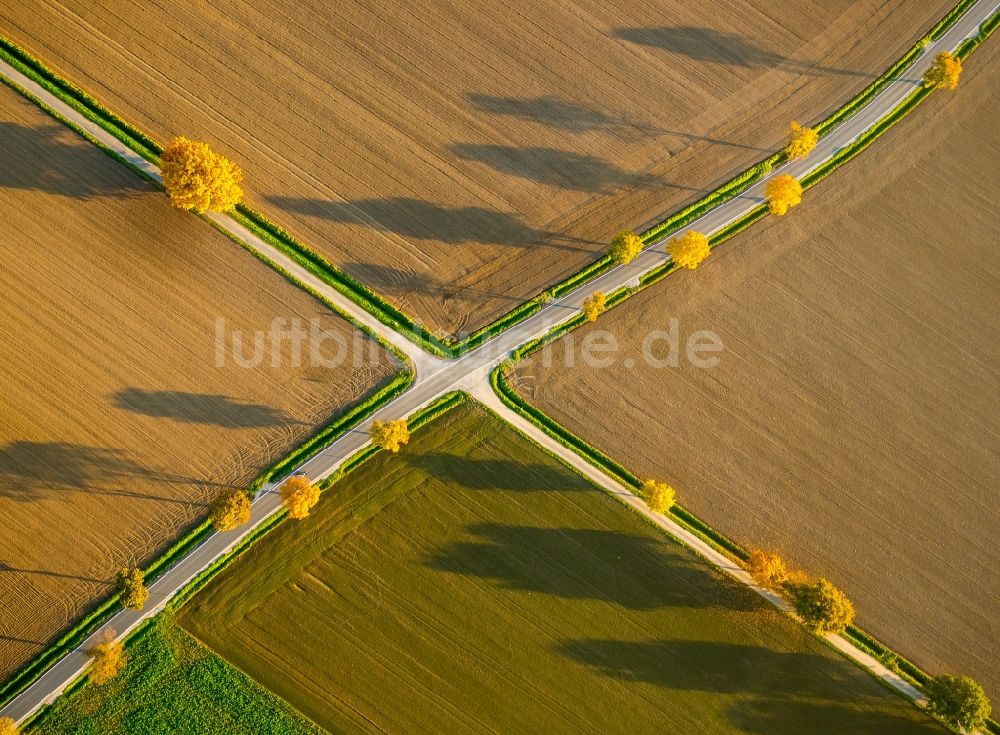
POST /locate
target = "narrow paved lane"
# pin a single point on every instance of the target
(435, 377)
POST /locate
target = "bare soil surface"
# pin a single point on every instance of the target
(117, 427)
(459, 157)
(851, 421)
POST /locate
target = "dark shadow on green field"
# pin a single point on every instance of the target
(768, 716)
(499, 474)
(791, 692)
(709, 666)
(588, 564)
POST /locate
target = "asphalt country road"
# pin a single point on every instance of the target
(470, 372)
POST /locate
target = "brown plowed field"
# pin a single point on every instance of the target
(852, 419)
(116, 425)
(459, 157)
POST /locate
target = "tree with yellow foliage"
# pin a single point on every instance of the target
(107, 659)
(299, 495)
(625, 247)
(767, 569)
(801, 141)
(198, 178)
(944, 72)
(8, 726)
(783, 192)
(390, 435)
(230, 509)
(595, 305)
(690, 250)
(659, 496)
(822, 607)
(131, 585)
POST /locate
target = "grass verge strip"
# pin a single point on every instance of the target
(498, 378)
(421, 418)
(79, 632)
(374, 303)
(854, 635)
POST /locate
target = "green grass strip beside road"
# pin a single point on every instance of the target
(78, 100)
(854, 635)
(150, 149)
(419, 419)
(374, 303)
(354, 290)
(73, 637)
(949, 20)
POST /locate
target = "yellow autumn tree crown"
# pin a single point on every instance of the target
(199, 179)
(595, 305)
(625, 247)
(230, 509)
(131, 585)
(944, 72)
(299, 495)
(801, 141)
(107, 659)
(783, 192)
(659, 496)
(390, 435)
(690, 250)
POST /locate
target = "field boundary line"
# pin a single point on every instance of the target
(676, 527)
(237, 546)
(107, 610)
(439, 369)
(856, 644)
(373, 302)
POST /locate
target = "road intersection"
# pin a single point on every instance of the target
(435, 377)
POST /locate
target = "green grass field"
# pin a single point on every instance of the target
(173, 685)
(474, 584)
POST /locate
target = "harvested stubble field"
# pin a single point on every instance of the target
(852, 419)
(459, 157)
(116, 425)
(474, 584)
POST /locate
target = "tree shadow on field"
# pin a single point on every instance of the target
(200, 408)
(636, 572)
(554, 167)
(390, 278)
(44, 573)
(553, 112)
(420, 220)
(26, 641)
(43, 158)
(767, 716)
(29, 470)
(575, 118)
(718, 47)
(711, 666)
(499, 474)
